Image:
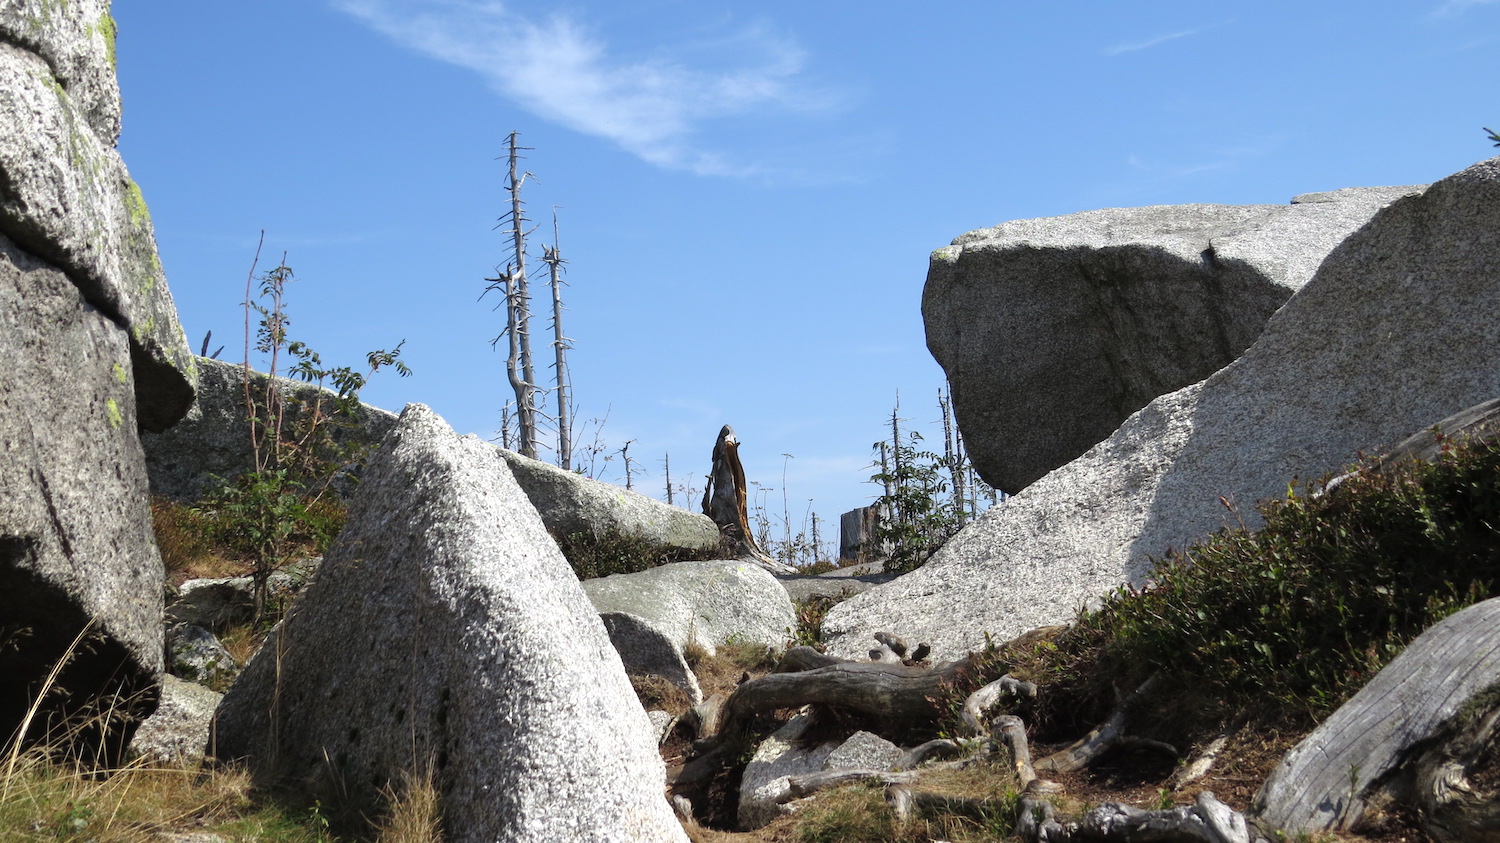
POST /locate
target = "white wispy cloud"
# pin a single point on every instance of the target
(562, 71)
(1453, 7)
(1133, 46)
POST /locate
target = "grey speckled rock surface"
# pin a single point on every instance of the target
(647, 651)
(214, 438)
(1395, 332)
(178, 732)
(701, 603)
(491, 662)
(1053, 331)
(763, 787)
(75, 529)
(571, 503)
(68, 200)
(77, 40)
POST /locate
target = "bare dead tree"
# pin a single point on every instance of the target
(625, 455)
(666, 464)
(953, 458)
(560, 344)
(505, 440)
(512, 283)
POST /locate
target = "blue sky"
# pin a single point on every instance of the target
(748, 193)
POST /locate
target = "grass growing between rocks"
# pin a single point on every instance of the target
(43, 799)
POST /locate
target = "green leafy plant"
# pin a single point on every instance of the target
(283, 501)
(1493, 135)
(915, 518)
(927, 496)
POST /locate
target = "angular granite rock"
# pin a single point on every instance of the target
(571, 503)
(647, 651)
(702, 604)
(444, 627)
(177, 733)
(76, 547)
(212, 443)
(1053, 331)
(1395, 332)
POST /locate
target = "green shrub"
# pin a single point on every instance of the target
(612, 552)
(1299, 614)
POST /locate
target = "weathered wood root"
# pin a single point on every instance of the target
(1209, 821)
(798, 659)
(937, 749)
(800, 786)
(1199, 766)
(1107, 736)
(986, 697)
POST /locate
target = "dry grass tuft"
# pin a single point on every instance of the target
(414, 813)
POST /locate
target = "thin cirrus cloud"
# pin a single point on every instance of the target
(1135, 46)
(1453, 7)
(560, 71)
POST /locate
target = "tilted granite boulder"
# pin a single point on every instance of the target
(66, 198)
(211, 445)
(489, 663)
(1053, 331)
(76, 548)
(702, 604)
(1395, 332)
(571, 503)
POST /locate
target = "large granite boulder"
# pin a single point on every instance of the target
(570, 504)
(211, 444)
(480, 655)
(66, 197)
(76, 547)
(92, 351)
(1395, 332)
(1053, 331)
(702, 604)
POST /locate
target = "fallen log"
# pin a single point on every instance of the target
(898, 695)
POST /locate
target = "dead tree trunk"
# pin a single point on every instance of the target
(726, 500)
(560, 345)
(519, 368)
